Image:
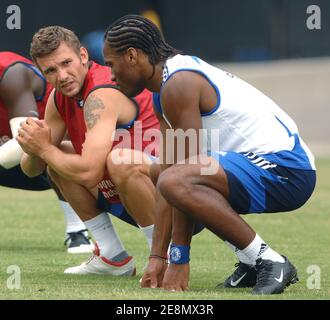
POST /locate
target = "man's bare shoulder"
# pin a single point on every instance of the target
(14, 77)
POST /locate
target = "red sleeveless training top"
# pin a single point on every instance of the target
(71, 111)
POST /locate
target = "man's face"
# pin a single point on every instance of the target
(65, 69)
(124, 71)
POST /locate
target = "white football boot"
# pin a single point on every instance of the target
(97, 264)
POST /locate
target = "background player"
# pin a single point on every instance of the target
(24, 93)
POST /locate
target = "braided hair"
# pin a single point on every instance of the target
(138, 32)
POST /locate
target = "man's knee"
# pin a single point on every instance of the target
(53, 177)
(154, 173)
(67, 147)
(55, 182)
(120, 167)
(173, 184)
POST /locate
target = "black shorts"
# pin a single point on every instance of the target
(15, 178)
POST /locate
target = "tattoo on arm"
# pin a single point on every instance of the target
(92, 104)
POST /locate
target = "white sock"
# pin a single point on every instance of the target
(148, 233)
(240, 255)
(259, 249)
(105, 236)
(73, 222)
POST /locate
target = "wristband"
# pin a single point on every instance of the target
(179, 254)
(10, 154)
(158, 257)
(15, 124)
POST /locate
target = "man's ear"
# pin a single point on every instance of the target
(131, 56)
(84, 55)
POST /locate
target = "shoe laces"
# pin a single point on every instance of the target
(73, 235)
(264, 269)
(91, 258)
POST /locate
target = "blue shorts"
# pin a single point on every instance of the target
(118, 210)
(262, 186)
(15, 178)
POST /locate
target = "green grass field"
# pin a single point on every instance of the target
(32, 234)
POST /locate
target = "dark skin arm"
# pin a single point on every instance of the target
(17, 92)
(208, 198)
(185, 93)
(181, 102)
(181, 107)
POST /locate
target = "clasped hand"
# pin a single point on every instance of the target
(34, 136)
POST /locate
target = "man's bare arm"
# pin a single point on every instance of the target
(101, 112)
